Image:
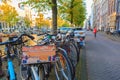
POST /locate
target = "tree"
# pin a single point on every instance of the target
(40, 21)
(54, 16)
(8, 14)
(73, 11)
(61, 22)
(79, 14)
(42, 5)
(27, 21)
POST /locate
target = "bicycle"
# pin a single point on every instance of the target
(11, 75)
(70, 46)
(70, 51)
(59, 58)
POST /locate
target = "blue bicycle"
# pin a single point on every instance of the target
(11, 75)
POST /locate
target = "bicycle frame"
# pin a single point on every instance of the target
(11, 71)
(35, 73)
(8, 45)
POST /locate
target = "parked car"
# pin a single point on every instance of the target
(79, 36)
(65, 29)
(80, 32)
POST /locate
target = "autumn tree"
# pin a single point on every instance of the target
(8, 14)
(41, 21)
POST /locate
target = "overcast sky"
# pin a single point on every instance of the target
(88, 4)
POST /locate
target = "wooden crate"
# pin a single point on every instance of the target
(37, 54)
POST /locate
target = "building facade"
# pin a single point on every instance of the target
(112, 15)
(92, 17)
(118, 15)
(104, 15)
(96, 13)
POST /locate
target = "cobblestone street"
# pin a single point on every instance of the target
(103, 60)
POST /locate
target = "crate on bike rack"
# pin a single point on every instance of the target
(38, 54)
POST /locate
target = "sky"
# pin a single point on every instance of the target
(88, 7)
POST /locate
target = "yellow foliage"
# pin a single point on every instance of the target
(60, 21)
(8, 13)
(41, 21)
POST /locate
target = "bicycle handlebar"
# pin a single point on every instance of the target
(14, 41)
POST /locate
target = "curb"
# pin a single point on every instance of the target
(83, 68)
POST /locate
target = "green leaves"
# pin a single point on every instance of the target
(39, 5)
(27, 21)
(73, 11)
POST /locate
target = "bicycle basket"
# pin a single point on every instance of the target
(38, 54)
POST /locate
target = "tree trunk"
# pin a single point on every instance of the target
(71, 13)
(54, 16)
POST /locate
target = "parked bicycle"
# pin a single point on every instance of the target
(11, 74)
(71, 47)
(47, 55)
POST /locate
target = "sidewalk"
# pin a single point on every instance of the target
(112, 37)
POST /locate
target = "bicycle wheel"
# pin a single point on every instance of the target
(47, 70)
(77, 50)
(73, 54)
(67, 48)
(63, 70)
(24, 72)
(34, 72)
(41, 72)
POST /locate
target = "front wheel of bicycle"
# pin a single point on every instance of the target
(41, 72)
(63, 69)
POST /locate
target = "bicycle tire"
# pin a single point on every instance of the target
(60, 74)
(73, 54)
(33, 76)
(67, 48)
(77, 49)
(47, 70)
(41, 72)
(24, 75)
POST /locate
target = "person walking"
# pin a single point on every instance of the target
(95, 32)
